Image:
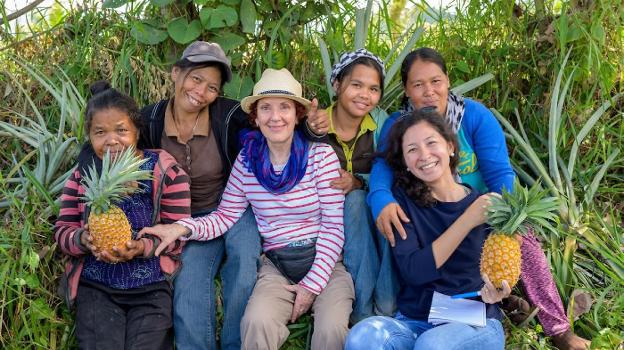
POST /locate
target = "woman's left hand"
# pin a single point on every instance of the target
(303, 301)
(167, 234)
(492, 295)
(346, 182)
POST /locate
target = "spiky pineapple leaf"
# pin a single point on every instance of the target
(514, 212)
(116, 180)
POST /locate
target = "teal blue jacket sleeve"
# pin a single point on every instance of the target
(486, 137)
(381, 178)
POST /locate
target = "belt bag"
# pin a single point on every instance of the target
(293, 262)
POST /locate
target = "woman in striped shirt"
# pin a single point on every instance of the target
(286, 179)
(122, 299)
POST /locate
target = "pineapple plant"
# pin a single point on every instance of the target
(108, 225)
(511, 215)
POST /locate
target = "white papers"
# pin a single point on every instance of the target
(445, 310)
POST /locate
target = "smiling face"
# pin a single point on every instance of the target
(427, 86)
(359, 92)
(197, 88)
(426, 153)
(112, 130)
(276, 117)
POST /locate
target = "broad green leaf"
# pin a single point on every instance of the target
(248, 16)
(574, 32)
(204, 16)
(222, 16)
(229, 41)
(161, 2)
(238, 88)
(32, 281)
(462, 66)
(113, 4)
(183, 32)
(598, 32)
(231, 2)
(146, 34)
(39, 309)
(33, 260)
(278, 60)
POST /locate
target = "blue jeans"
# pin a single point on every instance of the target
(194, 298)
(383, 332)
(360, 255)
(387, 285)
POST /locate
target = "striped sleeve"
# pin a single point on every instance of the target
(68, 226)
(175, 203)
(232, 206)
(330, 238)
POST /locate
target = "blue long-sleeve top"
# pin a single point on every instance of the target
(418, 275)
(484, 159)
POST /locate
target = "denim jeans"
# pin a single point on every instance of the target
(383, 332)
(387, 285)
(194, 298)
(360, 255)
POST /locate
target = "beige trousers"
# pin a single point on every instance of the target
(270, 306)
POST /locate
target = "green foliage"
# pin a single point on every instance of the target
(551, 69)
(517, 211)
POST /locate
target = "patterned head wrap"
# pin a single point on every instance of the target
(348, 57)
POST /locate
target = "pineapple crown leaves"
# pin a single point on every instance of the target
(115, 182)
(516, 211)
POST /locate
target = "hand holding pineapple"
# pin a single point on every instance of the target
(129, 251)
(477, 211)
(491, 294)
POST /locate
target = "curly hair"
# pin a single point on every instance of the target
(415, 188)
(300, 111)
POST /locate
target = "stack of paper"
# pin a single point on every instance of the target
(445, 310)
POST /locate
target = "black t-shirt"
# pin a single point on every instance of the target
(418, 275)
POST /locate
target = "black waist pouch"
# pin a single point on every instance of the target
(293, 262)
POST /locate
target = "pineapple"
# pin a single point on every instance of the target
(509, 216)
(108, 225)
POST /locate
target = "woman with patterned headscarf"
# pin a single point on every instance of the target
(354, 126)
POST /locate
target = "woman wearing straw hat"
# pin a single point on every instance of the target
(286, 179)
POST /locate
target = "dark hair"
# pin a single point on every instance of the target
(187, 66)
(103, 97)
(425, 54)
(413, 186)
(365, 61)
(300, 111)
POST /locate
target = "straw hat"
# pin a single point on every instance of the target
(275, 83)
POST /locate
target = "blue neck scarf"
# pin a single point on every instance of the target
(256, 159)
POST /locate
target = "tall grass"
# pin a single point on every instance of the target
(552, 74)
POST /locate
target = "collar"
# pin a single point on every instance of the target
(367, 124)
(201, 129)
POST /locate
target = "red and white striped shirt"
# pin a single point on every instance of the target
(311, 209)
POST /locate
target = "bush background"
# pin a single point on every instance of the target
(556, 78)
